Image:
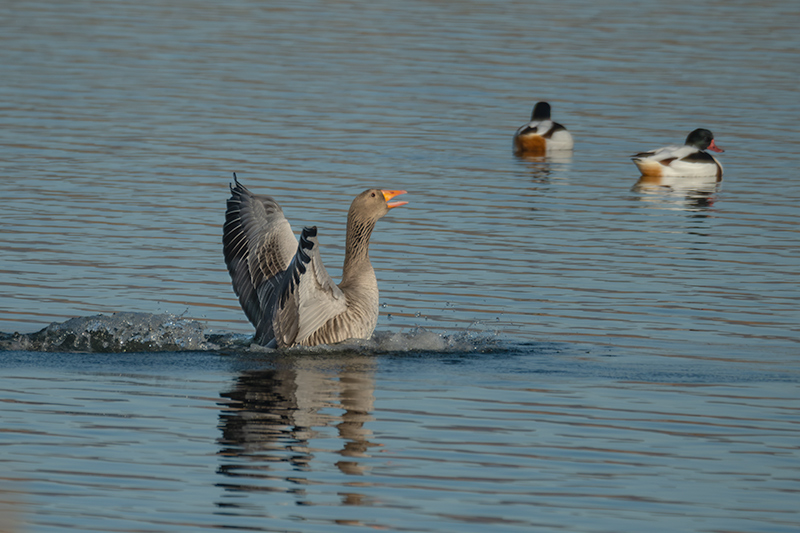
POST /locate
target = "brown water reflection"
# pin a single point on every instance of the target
(275, 419)
(542, 168)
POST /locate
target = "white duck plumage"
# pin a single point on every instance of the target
(689, 160)
(283, 286)
(541, 135)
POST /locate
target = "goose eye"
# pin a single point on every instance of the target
(373, 195)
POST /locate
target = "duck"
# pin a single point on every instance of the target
(541, 135)
(689, 160)
(282, 284)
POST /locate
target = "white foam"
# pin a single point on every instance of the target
(143, 332)
(120, 332)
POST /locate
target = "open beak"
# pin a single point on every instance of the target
(714, 148)
(388, 195)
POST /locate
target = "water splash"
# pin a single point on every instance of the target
(143, 332)
(421, 339)
(417, 340)
(120, 332)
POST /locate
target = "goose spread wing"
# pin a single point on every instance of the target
(258, 244)
(308, 297)
(282, 285)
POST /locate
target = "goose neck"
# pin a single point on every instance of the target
(356, 255)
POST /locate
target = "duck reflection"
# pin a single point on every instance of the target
(692, 194)
(542, 167)
(278, 423)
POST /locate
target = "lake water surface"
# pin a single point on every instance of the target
(561, 346)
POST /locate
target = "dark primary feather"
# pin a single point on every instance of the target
(298, 265)
(281, 300)
(258, 244)
(236, 252)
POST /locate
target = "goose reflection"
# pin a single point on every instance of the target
(277, 424)
(688, 193)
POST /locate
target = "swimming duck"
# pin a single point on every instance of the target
(283, 286)
(541, 135)
(690, 160)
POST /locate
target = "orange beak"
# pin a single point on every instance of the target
(714, 148)
(388, 195)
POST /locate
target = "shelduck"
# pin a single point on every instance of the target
(541, 135)
(689, 160)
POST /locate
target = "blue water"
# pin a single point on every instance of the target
(509, 441)
(560, 346)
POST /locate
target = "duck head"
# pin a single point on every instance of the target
(703, 139)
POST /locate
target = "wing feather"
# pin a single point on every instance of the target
(258, 244)
(309, 297)
(667, 152)
(282, 284)
(535, 127)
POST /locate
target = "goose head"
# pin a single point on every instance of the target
(373, 204)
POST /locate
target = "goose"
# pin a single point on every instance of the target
(282, 284)
(690, 160)
(541, 135)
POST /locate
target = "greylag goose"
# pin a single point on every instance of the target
(283, 286)
(541, 135)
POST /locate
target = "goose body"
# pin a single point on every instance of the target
(282, 284)
(541, 135)
(689, 160)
